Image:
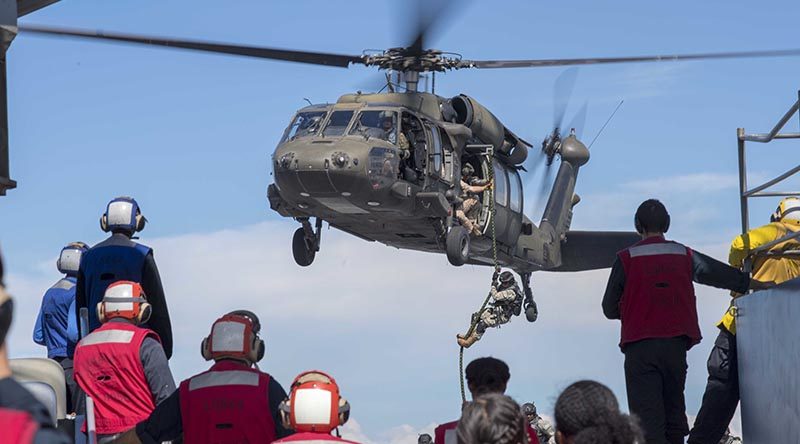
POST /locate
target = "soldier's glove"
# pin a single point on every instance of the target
(495, 276)
(531, 311)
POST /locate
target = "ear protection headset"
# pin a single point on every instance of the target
(786, 206)
(649, 206)
(234, 335)
(314, 404)
(123, 213)
(124, 299)
(69, 260)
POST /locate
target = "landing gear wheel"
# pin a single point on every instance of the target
(457, 243)
(302, 251)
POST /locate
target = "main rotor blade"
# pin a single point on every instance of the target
(491, 64)
(562, 92)
(314, 58)
(430, 14)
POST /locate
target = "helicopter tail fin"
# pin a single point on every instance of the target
(593, 250)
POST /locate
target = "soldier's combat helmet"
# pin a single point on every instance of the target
(528, 409)
(424, 439)
(467, 170)
(506, 278)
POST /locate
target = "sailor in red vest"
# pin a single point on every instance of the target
(314, 409)
(232, 402)
(484, 375)
(650, 290)
(120, 365)
(23, 419)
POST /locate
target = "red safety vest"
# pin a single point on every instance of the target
(17, 426)
(227, 404)
(314, 438)
(109, 369)
(446, 434)
(658, 300)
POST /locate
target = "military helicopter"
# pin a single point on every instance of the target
(338, 163)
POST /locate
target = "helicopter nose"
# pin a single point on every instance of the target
(320, 168)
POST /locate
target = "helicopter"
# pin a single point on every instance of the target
(387, 167)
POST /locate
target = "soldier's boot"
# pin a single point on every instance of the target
(466, 342)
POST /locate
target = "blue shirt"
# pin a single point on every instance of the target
(57, 323)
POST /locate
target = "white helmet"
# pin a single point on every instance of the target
(69, 261)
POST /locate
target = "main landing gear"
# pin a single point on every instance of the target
(306, 241)
(457, 245)
(531, 310)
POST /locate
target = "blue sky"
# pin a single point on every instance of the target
(190, 135)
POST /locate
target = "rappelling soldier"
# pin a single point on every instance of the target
(471, 186)
(544, 430)
(119, 258)
(506, 301)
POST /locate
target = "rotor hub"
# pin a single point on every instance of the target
(408, 59)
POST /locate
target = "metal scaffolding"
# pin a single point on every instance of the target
(764, 190)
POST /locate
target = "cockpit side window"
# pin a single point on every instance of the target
(304, 124)
(338, 123)
(377, 124)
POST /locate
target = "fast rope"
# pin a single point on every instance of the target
(477, 316)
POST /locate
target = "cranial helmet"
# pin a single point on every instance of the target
(314, 404)
(467, 170)
(123, 214)
(788, 211)
(506, 277)
(69, 261)
(234, 336)
(124, 299)
(528, 408)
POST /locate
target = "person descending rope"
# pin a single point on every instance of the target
(506, 301)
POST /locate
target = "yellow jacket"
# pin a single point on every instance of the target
(776, 269)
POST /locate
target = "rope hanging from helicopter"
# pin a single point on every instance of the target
(477, 316)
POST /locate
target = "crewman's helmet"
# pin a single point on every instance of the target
(788, 211)
(234, 336)
(123, 214)
(124, 299)
(314, 404)
(506, 278)
(529, 409)
(69, 261)
(467, 170)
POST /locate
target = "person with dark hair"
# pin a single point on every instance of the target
(484, 375)
(23, 419)
(492, 418)
(587, 412)
(650, 290)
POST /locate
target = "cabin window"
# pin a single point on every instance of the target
(304, 124)
(516, 191)
(378, 124)
(338, 123)
(436, 155)
(500, 185)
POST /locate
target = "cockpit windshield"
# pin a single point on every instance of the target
(378, 124)
(304, 124)
(337, 123)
